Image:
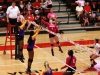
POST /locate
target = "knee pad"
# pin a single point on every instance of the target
(30, 60)
(52, 44)
(57, 42)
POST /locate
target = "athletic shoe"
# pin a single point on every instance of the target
(21, 59)
(28, 71)
(52, 54)
(61, 51)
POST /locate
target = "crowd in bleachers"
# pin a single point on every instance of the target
(87, 11)
(37, 7)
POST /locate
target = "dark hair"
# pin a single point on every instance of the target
(30, 37)
(96, 40)
(13, 2)
(70, 53)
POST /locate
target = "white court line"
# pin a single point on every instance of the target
(24, 63)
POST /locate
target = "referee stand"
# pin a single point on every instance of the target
(11, 37)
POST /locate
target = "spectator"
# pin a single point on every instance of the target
(21, 6)
(44, 7)
(86, 19)
(92, 17)
(43, 4)
(98, 14)
(94, 7)
(79, 10)
(82, 2)
(87, 7)
(29, 6)
(12, 13)
(51, 15)
(2, 14)
(37, 17)
(36, 5)
(49, 3)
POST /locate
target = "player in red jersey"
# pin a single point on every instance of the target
(70, 61)
(53, 27)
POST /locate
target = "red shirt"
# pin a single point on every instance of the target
(51, 27)
(31, 18)
(87, 8)
(72, 62)
(36, 4)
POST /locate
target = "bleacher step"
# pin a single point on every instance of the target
(74, 31)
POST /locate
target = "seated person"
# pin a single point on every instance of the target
(37, 17)
(21, 6)
(86, 19)
(94, 7)
(92, 17)
(98, 15)
(48, 3)
(2, 14)
(36, 5)
(79, 10)
(43, 4)
(87, 7)
(82, 2)
(29, 6)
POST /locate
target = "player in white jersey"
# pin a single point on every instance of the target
(96, 54)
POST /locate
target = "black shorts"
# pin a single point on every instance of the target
(99, 51)
(21, 38)
(51, 35)
(29, 49)
(71, 71)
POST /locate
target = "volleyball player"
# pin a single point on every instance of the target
(71, 61)
(20, 20)
(97, 67)
(53, 27)
(30, 48)
(47, 70)
(97, 53)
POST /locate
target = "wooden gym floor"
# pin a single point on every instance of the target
(9, 66)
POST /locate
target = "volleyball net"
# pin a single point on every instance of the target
(79, 48)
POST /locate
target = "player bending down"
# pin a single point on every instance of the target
(97, 53)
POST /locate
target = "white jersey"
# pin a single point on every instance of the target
(97, 48)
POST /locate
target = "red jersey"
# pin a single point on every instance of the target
(51, 27)
(87, 8)
(31, 18)
(71, 63)
(36, 4)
